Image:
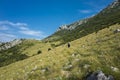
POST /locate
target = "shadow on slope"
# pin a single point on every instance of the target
(11, 55)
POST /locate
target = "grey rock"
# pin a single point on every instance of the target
(74, 54)
(99, 75)
(110, 77)
(68, 67)
(72, 26)
(7, 45)
(45, 69)
(115, 3)
(86, 66)
(114, 69)
(117, 30)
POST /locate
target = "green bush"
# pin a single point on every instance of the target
(39, 52)
(53, 45)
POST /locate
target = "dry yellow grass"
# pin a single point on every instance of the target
(55, 59)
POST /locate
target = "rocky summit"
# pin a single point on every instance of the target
(72, 26)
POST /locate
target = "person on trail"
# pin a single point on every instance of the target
(68, 45)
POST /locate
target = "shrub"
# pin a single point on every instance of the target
(53, 45)
(39, 52)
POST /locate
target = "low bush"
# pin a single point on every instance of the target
(39, 52)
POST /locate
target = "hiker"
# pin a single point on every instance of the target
(68, 45)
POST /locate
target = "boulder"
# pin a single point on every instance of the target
(114, 69)
(98, 75)
(117, 31)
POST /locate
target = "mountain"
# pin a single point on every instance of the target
(108, 16)
(94, 51)
(17, 50)
(72, 26)
(7, 45)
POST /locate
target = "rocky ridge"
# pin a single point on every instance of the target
(115, 6)
(115, 3)
(7, 45)
(72, 26)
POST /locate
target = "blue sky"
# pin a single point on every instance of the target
(40, 18)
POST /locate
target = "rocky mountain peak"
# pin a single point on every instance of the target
(115, 3)
(113, 7)
(72, 26)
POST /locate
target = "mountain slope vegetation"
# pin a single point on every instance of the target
(96, 51)
(105, 18)
(95, 45)
(26, 49)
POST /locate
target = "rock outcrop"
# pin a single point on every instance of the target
(115, 3)
(7, 45)
(73, 25)
(99, 75)
(115, 6)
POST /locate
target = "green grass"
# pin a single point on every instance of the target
(99, 50)
(104, 19)
(26, 49)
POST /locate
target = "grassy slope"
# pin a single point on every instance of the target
(100, 50)
(22, 51)
(104, 19)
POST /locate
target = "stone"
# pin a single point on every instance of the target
(114, 69)
(110, 77)
(35, 68)
(7, 45)
(101, 76)
(44, 69)
(117, 30)
(72, 26)
(98, 75)
(68, 67)
(74, 54)
(86, 66)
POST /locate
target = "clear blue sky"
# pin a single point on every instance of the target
(40, 18)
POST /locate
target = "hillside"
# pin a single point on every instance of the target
(95, 46)
(108, 16)
(23, 49)
(93, 52)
